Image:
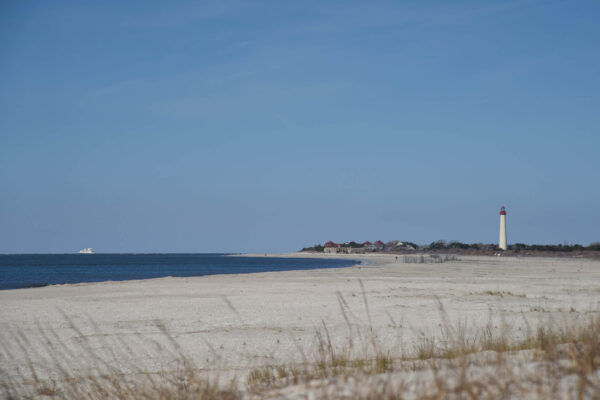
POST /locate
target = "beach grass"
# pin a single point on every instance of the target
(549, 360)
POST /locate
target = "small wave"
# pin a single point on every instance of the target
(24, 286)
(37, 284)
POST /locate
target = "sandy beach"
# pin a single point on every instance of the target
(233, 323)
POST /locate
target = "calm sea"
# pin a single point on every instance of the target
(34, 270)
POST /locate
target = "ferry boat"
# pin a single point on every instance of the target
(87, 250)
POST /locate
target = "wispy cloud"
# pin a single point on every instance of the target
(118, 87)
(369, 15)
(179, 14)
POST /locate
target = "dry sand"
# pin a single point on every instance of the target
(236, 322)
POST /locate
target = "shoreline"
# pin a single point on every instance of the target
(39, 285)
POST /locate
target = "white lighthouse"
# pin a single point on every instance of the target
(502, 241)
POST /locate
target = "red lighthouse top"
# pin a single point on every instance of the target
(502, 211)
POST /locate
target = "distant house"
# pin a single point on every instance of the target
(396, 245)
(365, 247)
(332, 247)
(368, 246)
(347, 248)
(354, 250)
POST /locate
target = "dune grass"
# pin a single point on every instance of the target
(550, 360)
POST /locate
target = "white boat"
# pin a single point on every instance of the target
(87, 250)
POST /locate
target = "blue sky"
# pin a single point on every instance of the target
(270, 126)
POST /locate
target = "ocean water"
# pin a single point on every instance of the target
(35, 270)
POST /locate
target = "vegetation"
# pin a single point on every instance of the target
(317, 248)
(353, 245)
(410, 244)
(548, 361)
(558, 247)
(456, 246)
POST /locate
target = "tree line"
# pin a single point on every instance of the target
(456, 245)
